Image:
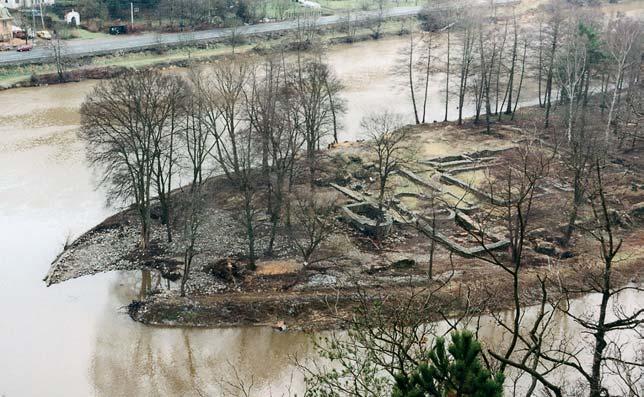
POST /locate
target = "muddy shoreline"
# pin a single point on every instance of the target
(321, 295)
(330, 309)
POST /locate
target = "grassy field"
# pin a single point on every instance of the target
(85, 34)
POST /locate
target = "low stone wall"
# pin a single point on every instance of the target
(441, 214)
(354, 214)
(425, 227)
(464, 205)
(452, 180)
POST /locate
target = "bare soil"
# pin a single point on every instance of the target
(319, 294)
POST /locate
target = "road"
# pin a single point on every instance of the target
(79, 48)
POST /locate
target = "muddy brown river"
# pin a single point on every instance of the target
(75, 339)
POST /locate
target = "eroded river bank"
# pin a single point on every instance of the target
(321, 294)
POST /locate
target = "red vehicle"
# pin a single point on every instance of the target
(25, 48)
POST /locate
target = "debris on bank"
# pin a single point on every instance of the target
(390, 255)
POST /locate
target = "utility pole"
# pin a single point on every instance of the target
(42, 16)
(131, 15)
(33, 24)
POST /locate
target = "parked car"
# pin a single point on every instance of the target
(118, 29)
(44, 34)
(21, 34)
(25, 48)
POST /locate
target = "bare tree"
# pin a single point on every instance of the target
(606, 319)
(487, 59)
(269, 109)
(509, 206)
(555, 21)
(521, 77)
(601, 280)
(498, 65)
(60, 55)
(235, 149)
(349, 25)
(388, 335)
(192, 219)
(448, 28)
(166, 151)
(375, 23)
(571, 66)
(387, 140)
(280, 7)
(409, 67)
(315, 221)
(629, 116)
(197, 138)
(513, 62)
(425, 65)
(415, 68)
(317, 105)
(516, 187)
(577, 65)
(623, 38)
(465, 67)
(123, 122)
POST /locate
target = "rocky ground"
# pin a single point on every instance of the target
(284, 289)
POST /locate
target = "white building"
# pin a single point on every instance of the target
(6, 24)
(15, 4)
(310, 4)
(72, 17)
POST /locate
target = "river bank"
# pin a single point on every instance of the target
(329, 309)
(108, 66)
(285, 289)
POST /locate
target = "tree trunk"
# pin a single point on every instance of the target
(508, 110)
(465, 69)
(540, 64)
(410, 70)
(447, 75)
(550, 77)
(612, 103)
(250, 232)
(145, 228)
(516, 103)
(427, 75)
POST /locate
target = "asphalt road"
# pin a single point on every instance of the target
(78, 48)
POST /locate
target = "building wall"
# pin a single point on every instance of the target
(5, 29)
(15, 4)
(6, 23)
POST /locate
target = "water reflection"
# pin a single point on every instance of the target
(130, 358)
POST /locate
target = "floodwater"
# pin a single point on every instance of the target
(75, 339)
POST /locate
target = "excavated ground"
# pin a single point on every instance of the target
(221, 292)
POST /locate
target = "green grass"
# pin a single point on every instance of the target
(86, 34)
(135, 60)
(15, 74)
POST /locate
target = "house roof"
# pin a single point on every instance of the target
(4, 13)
